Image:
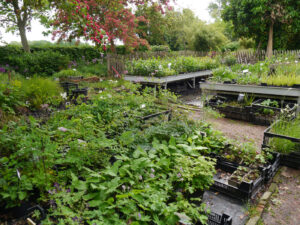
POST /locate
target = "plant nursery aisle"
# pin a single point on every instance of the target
(234, 129)
(284, 205)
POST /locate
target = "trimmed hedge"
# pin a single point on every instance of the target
(43, 63)
(74, 53)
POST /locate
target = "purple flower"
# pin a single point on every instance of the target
(140, 216)
(152, 170)
(75, 218)
(181, 169)
(123, 187)
(178, 174)
(239, 153)
(56, 185)
(68, 190)
(125, 72)
(152, 175)
(62, 129)
(140, 177)
(94, 60)
(2, 70)
(51, 192)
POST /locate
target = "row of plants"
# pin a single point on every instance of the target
(161, 67)
(99, 163)
(277, 72)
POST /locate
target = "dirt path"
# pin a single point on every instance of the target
(234, 129)
(284, 207)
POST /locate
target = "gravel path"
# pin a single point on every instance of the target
(234, 129)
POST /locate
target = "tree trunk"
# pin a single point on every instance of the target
(269, 52)
(112, 46)
(24, 40)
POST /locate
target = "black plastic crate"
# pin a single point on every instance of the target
(290, 160)
(68, 87)
(233, 112)
(265, 120)
(245, 191)
(218, 219)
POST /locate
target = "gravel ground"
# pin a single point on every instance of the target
(284, 207)
(234, 129)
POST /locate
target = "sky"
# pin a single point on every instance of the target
(198, 6)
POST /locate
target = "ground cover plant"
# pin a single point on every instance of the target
(157, 67)
(286, 127)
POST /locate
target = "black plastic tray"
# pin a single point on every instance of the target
(244, 192)
(217, 219)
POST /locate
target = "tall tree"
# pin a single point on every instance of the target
(101, 21)
(258, 18)
(16, 16)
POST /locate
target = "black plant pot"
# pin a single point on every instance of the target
(264, 84)
(296, 86)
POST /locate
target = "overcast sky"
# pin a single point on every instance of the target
(198, 6)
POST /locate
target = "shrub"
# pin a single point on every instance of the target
(160, 48)
(40, 91)
(230, 60)
(42, 63)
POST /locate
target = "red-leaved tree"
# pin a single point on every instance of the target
(101, 21)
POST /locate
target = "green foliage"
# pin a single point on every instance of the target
(73, 53)
(232, 46)
(160, 48)
(230, 60)
(44, 63)
(40, 91)
(286, 127)
(169, 66)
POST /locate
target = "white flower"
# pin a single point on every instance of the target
(286, 58)
(100, 92)
(81, 141)
(160, 67)
(27, 102)
(109, 95)
(56, 79)
(63, 129)
(169, 65)
(63, 95)
(261, 64)
(27, 78)
(100, 80)
(143, 106)
(74, 69)
(245, 71)
(296, 61)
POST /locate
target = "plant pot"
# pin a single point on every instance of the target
(263, 84)
(296, 86)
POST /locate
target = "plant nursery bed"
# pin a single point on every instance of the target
(164, 81)
(231, 112)
(243, 190)
(264, 115)
(290, 159)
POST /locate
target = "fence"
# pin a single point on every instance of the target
(117, 62)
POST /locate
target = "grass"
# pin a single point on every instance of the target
(286, 128)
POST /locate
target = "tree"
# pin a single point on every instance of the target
(16, 15)
(153, 28)
(257, 19)
(101, 21)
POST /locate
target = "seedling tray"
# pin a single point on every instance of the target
(233, 112)
(245, 191)
(290, 160)
(266, 120)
